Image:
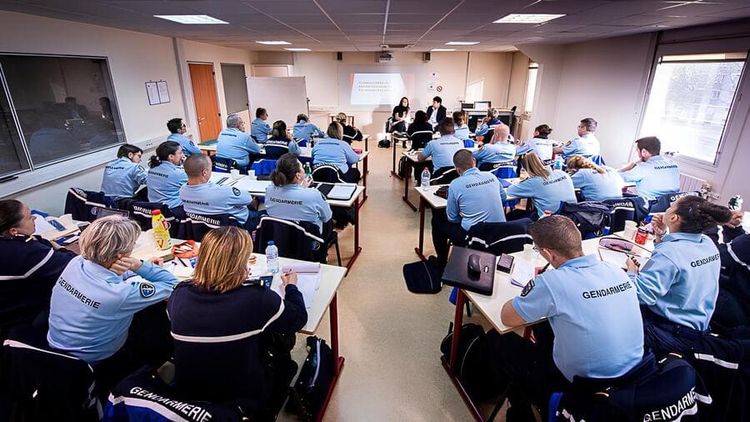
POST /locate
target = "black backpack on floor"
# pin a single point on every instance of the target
(310, 391)
(384, 143)
(473, 362)
(423, 276)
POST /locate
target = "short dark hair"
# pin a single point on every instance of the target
(438, 99)
(279, 129)
(259, 112)
(558, 233)
(446, 126)
(126, 149)
(463, 159)
(174, 125)
(11, 214)
(459, 117)
(543, 130)
(195, 164)
(287, 167)
(652, 144)
(301, 117)
(589, 123)
(420, 117)
(697, 214)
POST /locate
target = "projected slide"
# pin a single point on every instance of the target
(377, 88)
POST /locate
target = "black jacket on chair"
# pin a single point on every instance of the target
(499, 238)
(440, 113)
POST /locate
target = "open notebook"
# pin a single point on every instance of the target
(308, 281)
(341, 191)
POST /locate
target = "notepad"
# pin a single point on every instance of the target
(247, 184)
(341, 191)
(307, 284)
(619, 258)
(522, 273)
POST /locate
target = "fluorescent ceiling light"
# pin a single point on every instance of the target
(528, 18)
(273, 42)
(297, 49)
(443, 49)
(462, 43)
(192, 19)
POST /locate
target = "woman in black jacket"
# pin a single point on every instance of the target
(224, 328)
(400, 115)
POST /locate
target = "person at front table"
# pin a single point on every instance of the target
(654, 174)
(442, 149)
(226, 329)
(166, 176)
(540, 143)
(474, 197)
(259, 129)
(96, 299)
(679, 284)
(596, 183)
(546, 189)
(592, 309)
(305, 130)
(585, 144)
(234, 143)
(400, 115)
(31, 266)
(332, 150)
(177, 130)
(123, 176)
(436, 112)
(279, 143)
(200, 196)
(497, 151)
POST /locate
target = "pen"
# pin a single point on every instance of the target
(544, 268)
(182, 262)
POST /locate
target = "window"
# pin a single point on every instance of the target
(54, 108)
(235, 87)
(531, 85)
(689, 102)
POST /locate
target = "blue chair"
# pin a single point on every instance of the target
(598, 160)
(263, 167)
(503, 170)
(225, 165)
(197, 225)
(665, 201)
(82, 204)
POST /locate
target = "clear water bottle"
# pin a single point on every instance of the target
(272, 257)
(558, 163)
(425, 179)
(308, 170)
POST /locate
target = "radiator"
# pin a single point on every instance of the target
(690, 183)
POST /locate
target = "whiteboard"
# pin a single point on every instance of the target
(283, 97)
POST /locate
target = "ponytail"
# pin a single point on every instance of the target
(543, 130)
(163, 151)
(697, 214)
(578, 162)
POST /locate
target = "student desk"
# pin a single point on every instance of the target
(325, 298)
(402, 137)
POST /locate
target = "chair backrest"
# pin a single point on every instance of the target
(505, 170)
(598, 160)
(591, 218)
(294, 240)
(197, 225)
(275, 151)
(327, 173)
(82, 204)
(222, 164)
(141, 213)
(265, 166)
(665, 201)
(500, 238)
(420, 138)
(444, 176)
(625, 209)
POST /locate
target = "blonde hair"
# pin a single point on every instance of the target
(335, 130)
(108, 238)
(222, 259)
(534, 166)
(578, 162)
(341, 117)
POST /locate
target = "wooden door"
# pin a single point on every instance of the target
(206, 100)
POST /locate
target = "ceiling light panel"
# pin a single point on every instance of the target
(192, 19)
(528, 18)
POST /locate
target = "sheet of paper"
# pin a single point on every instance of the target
(618, 258)
(253, 186)
(307, 284)
(220, 178)
(342, 191)
(302, 267)
(522, 272)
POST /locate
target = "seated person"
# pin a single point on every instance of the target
(290, 197)
(223, 329)
(546, 188)
(488, 122)
(585, 144)
(540, 143)
(442, 149)
(679, 283)
(98, 294)
(400, 115)
(332, 150)
(474, 197)
(436, 112)
(305, 130)
(280, 143)
(462, 129)
(351, 133)
(596, 183)
(654, 175)
(259, 129)
(235, 144)
(200, 196)
(596, 336)
(31, 266)
(497, 151)
(177, 129)
(123, 176)
(420, 131)
(166, 176)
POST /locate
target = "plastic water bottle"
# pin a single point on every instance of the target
(558, 163)
(272, 257)
(161, 230)
(425, 179)
(308, 170)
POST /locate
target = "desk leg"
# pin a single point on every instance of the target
(364, 176)
(357, 248)
(338, 361)
(407, 181)
(422, 209)
(393, 164)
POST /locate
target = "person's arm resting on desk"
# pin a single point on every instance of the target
(534, 304)
(425, 153)
(654, 279)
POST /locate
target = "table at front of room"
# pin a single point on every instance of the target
(325, 297)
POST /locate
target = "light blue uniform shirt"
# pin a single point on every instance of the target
(474, 197)
(211, 199)
(188, 146)
(122, 178)
(283, 143)
(259, 129)
(592, 307)
(237, 145)
(334, 151)
(164, 182)
(500, 152)
(587, 145)
(483, 128)
(598, 187)
(462, 132)
(546, 194)
(91, 307)
(297, 203)
(442, 149)
(681, 280)
(306, 130)
(656, 177)
(542, 148)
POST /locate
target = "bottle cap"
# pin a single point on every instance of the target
(155, 212)
(270, 243)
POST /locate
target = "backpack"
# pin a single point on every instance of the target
(403, 167)
(589, 217)
(384, 143)
(422, 276)
(310, 391)
(473, 361)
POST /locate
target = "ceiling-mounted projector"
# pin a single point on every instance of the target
(384, 57)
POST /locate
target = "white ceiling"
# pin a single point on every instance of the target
(362, 25)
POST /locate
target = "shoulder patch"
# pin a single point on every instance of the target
(192, 143)
(236, 192)
(527, 289)
(147, 289)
